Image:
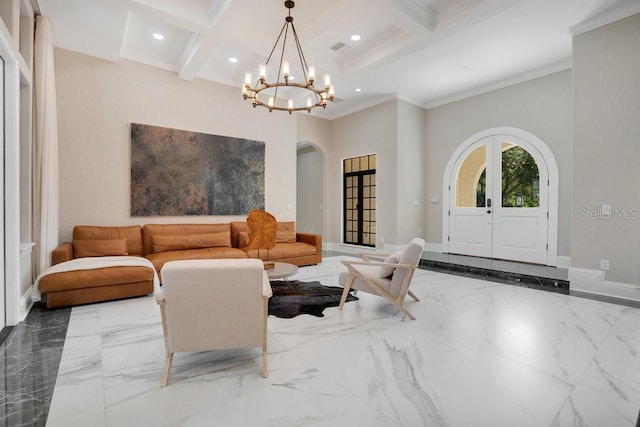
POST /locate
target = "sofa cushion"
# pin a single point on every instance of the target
(243, 239)
(165, 243)
(151, 230)
(107, 276)
(132, 234)
(237, 228)
(158, 259)
(282, 251)
(99, 247)
(286, 232)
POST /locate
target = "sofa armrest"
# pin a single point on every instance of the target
(311, 239)
(64, 252)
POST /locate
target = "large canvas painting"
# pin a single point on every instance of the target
(176, 172)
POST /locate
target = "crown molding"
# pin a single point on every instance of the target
(565, 65)
(615, 13)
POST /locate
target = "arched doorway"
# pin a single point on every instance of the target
(501, 198)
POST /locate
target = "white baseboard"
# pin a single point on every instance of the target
(25, 304)
(563, 261)
(355, 249)
(592, 281)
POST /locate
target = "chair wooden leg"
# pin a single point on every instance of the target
(265, 364)
(407, 313)
(412, 295)
(167, 369)
(345, 291)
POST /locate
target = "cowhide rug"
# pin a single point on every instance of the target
(293, 298)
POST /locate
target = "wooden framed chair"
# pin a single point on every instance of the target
(389, 279)
(213, 304)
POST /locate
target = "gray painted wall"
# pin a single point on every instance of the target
(607, 150)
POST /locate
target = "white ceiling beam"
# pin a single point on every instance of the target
(201, 45)
(419, 11)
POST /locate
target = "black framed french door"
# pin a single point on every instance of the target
(359, 189)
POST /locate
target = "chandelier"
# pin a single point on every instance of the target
(315, 97)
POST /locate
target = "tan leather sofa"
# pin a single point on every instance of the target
(291, 247)
(97, 284)
(159, 243)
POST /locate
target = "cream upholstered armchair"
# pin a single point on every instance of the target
(389, 279)
(213, 304)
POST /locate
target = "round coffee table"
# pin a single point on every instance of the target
(281, 270)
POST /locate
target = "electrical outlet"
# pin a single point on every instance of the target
(604, 264)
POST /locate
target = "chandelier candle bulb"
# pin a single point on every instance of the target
(290, 105)
(271, 102)
(308, 102)
(331, 93)
(247, 79)
(285, 69)
(312, 74)
(327, 80)
(263, 72)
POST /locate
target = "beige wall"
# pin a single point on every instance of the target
(373, 130)
(410, 189)
(312, 174)
(97, 101)
(607, 149)
(310, 189)
(395, 132)
(541, 106)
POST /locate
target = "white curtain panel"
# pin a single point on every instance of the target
(45, 148)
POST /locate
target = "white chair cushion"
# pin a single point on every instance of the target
(394, 258)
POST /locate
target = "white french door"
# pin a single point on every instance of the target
(498, 201)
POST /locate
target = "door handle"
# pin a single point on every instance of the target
(489, 203)
(488, 210)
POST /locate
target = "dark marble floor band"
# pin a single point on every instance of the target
(29, 361)
(500, 276)
(541, 277)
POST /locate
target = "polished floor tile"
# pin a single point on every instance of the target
(29, 361)
(479, 354)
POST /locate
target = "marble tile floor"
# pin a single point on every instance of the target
(480, 353)
(29, 361)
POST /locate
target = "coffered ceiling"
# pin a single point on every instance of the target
(427, 52)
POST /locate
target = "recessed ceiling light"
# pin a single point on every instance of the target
(158, 36)
(355, 37)
(357, 90)
(232, 59)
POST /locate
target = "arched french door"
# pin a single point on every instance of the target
(499, 201)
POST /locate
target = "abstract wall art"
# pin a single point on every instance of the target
(176, 172)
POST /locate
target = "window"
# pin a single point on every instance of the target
(359, 214)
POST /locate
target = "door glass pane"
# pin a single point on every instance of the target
(471, 179)
(359, 200)
(520, 178)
